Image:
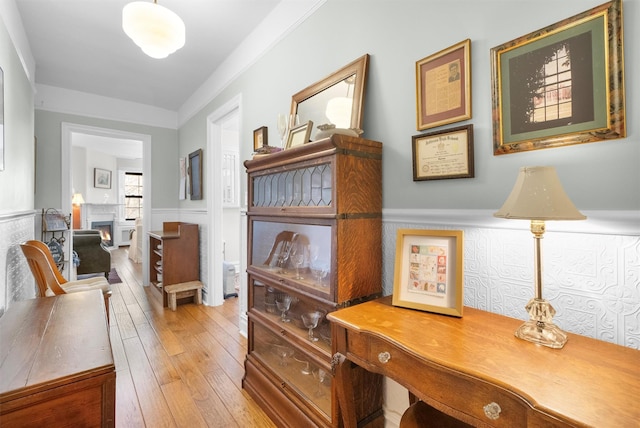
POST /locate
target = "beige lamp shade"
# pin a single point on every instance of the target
(77, 199)
(158, 31)
(538, 195)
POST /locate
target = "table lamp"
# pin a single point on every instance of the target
(538, 196)
(76, 201)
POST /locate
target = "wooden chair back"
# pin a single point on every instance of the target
(47, 252)
(43, 272)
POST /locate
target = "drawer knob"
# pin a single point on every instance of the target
(384, 357)
(492, 411)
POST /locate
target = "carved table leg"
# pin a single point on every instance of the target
(344, 388)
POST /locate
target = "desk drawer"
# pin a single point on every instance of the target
(432, 382)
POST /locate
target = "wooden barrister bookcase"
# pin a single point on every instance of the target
(314, 239)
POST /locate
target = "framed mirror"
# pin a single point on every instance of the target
(337, 99)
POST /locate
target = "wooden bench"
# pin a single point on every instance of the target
(182, 290)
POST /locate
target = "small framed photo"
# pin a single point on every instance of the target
(101, 178)
(428, 271)
(443, 154)
(299, 135)
(260, 138)
(195, 175)
(443, 87)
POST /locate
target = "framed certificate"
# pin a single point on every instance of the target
(443, 154)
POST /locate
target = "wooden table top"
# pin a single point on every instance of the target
(590, 381)
(53, 341)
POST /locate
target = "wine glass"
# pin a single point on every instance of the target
(321, 375)
(298, 256)
(283, 256)
(283, 352)
(306, 368)
(283, 127)
(319, 268)
(283, 304)
(310, 321)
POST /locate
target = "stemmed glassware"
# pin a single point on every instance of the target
(321, 375)
(310, 321)
(306, 368)
(285, 124)
(283, 352)
(283, 304)
(319, 268)
(298, 256)
(283, 256)
(283, 127)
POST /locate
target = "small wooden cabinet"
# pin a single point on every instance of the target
(174, 255)
(314, 240)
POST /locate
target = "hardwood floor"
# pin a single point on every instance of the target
(176, 369)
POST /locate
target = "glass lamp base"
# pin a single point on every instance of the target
(539, 329)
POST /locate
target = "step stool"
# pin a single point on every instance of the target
(182, 290)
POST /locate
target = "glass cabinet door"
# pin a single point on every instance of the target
(298, 254)
(301, 373)
(309, 186)
(303, 319)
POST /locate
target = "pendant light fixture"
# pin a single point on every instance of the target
(158, 31)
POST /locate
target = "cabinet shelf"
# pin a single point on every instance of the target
(314, 236)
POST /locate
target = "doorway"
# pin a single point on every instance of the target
(71, 132)
(223, 200)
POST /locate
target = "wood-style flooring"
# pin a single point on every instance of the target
(176, 369)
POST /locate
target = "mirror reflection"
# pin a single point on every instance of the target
(334, 105)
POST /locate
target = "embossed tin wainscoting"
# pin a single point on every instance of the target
(16, 281)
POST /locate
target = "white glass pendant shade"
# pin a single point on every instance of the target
(155, 29)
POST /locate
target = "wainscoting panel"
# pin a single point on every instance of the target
(16, 280)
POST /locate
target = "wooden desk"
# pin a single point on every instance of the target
(460, 365)
(56, 365)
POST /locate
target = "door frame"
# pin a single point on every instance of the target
(67, 130)
(213, 190)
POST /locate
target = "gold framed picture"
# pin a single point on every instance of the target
(299, 135)
(561, 85)
(428, 271)
(443, 87)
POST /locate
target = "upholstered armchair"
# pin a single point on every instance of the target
(92, 254)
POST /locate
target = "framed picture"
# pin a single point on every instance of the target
(260, 138)
(299, 135)
(101, 178)
(443, 154)
(428, 271)
(561, 85)
(443, 87)
(195, 175)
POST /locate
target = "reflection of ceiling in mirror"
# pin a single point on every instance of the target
(332, 105)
